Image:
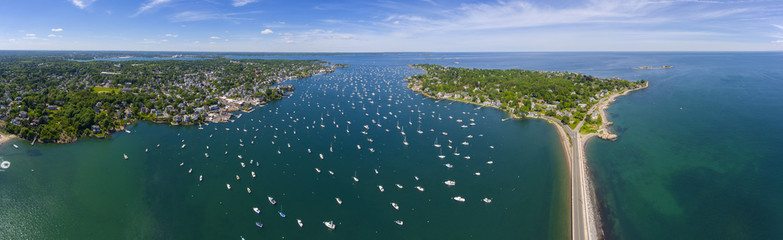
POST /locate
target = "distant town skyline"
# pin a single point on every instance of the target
(392, 26)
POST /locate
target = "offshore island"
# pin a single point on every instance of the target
(50, 98)
(574, 102)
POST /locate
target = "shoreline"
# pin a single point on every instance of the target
(590, 198)
(593, 223)
(5, 137)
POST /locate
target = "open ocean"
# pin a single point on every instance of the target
(698, 158)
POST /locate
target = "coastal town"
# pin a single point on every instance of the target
(54, 99)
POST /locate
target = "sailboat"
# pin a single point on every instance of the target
(441, 156)
(436, 143)
(405, 140)
(281, 211)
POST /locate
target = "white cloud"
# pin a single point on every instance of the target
(31, 36)
(52, 35)
(214, 37)
(778, 26)
(171, 35)
(11, 40)
(267, 31)
(82, 4)
(150, 5)
(57, 29)
(239, 3)
(190, 16)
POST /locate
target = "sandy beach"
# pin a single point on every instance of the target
(590, 225)
(5, 138)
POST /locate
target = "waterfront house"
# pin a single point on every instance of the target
(95, 129)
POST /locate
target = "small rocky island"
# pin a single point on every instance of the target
(648, 67)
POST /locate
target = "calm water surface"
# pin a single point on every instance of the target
(698, 157)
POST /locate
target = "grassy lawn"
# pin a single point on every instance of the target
(105, 90)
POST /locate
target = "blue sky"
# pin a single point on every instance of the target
(392, 25)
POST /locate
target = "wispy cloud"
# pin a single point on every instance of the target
(192, 16)
(267, 31)
(149, 5)
(82, 3)
(57, 29)
(239, 3)
(31, 36)
(214, 37)
(778, 26)
(171, 35)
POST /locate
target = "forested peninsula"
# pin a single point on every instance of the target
(566, 96)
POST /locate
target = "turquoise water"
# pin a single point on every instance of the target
(87, 190)
(697, 158)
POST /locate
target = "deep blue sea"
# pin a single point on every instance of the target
(697, 158)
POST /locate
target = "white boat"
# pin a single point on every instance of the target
(358, 147)
(441, 156)
(237, 177)
(380, 188)
(455, 152)
(242, 164)
(271, 200)
(190, 170)
(477, 173)
(248, 190)
(329, 225)
(253, 174)
(398, 222)
(395, 206)
(398, 185)
(490, 162)
(228, 186)
(125, 156)
(321, 155)
(17, 147)
(338, 200)
(487, 200)
(465, 143)
(255, 209)
(467, 157)
(200, 178)
(299, 222)
(206, 155)
(436, 143)
(450, 183)
(448, 165)
(318, 170)
(5, 164)
(240, 157)
(421, 189)
(376, 171)
(183, 145)
(127, 131)
(458, 199)
(330, 172)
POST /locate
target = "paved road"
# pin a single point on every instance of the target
(579, 224)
